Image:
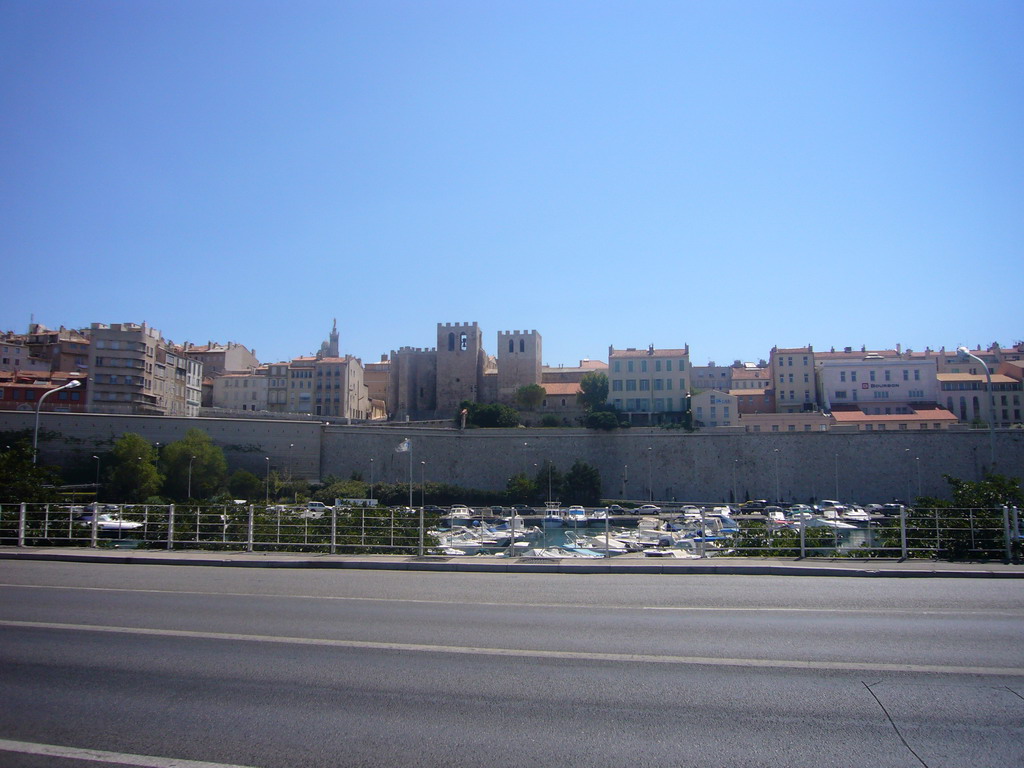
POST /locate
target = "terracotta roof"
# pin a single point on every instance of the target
(997, 378)
(851, 414)
(562, 389)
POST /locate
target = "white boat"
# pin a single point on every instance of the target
(108, 522)
(552, 515)
(575, 517)
(600, 544)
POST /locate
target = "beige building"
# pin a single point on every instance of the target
(134, 370)
(966, 396)
(242, 391)
(339, 390)
(712, 408)
(809, 421)
(925, 417)
(219, 358)
(650, 385)
(792, 373)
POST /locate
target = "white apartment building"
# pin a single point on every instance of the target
(877, 384)
(649, 383)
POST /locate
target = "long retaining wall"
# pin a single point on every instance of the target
(665, 465)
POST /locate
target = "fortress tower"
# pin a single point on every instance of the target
(519, 362)
(460, 365)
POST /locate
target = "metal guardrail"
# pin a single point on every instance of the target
(227, 527)
(938, 533)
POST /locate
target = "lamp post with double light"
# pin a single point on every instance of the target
(35, 432)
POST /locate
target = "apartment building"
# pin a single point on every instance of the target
(792, 374)
(711, 376)
(712, 408)
(134, 370)
(966, 396)
(22, 391)
(338, 388)
(219, 358)
(878, 383)
(245, 391)
(649, 384)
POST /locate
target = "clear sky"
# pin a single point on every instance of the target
(728, 175)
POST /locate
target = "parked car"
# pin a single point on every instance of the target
(648, 509)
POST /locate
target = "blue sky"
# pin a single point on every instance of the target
(728, 175)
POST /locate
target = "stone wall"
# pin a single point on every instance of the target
(634, 464)
(66, 438)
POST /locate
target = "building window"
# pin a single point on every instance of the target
(631, 385)
(617, 385)
(643, 366)
(645, 385)
(629, 366)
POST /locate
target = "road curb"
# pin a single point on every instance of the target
(722, 566)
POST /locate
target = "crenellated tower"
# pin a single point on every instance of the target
(519, 362)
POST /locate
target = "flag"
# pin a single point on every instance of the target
(403, 446)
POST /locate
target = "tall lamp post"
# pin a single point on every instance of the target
(267, 500)
(371, 480)
(35, 433)
(650, 487)
(777, 499)
(965, 353)
(97, 473)
(191, 459)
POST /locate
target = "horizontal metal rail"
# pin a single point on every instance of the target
(937, 533)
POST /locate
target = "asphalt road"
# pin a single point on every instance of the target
(160, 665)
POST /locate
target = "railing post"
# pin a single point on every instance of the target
(334, 529)
(21, 525)
(803, 538)
(1006, 533)
(1016, 526)
(249, 531)
(170, 527)
(903, 532)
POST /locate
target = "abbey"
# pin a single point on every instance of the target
(430, 383)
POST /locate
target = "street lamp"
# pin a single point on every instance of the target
(97, 473)
(907, 452)
(267, 499)
(35, 433)
(371, 479)
(650, 487)
(423, 482)
(777, 499)
(964, 353)
(193, 458)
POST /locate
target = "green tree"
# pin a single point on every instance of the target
(21, 480)
(607, 420)
(520, 489)
(593, 390)
(583, 484)
(194, 464)
(245, 485)
(549, 483)
(133, 475)
(530, 397)
(490, 415)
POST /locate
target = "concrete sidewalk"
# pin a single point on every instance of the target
(624, 564)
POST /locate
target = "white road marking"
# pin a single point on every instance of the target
(509, 604)
(832, 666)
(102, 756)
